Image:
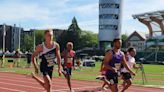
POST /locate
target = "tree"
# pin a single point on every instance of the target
(89, 39)
(39, 36)
(80, 39)
(70, 35)
(74, 26)
(27, 43)
(123, 37)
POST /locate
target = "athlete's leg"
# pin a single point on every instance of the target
(18, 61)
(1, 61)
(41, 82)
(104, 84)
(114, 87)
(113, 80)
(128, 84)
(47, 83)
(67, 73)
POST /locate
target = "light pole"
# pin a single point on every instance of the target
(34, 40)
(19, 38)
(4, 35)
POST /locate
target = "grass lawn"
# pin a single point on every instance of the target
(154, 73)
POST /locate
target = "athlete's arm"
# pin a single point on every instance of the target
(64, 57)
(135, 66)
(126, 66)
(102, 64)
(74, 60)
(58, 58)
(107, 59)
(62, 54)
(39, 49)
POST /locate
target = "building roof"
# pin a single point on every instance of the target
(135, 33)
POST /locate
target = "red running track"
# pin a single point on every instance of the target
(10, 82)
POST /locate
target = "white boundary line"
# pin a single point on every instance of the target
(14, 80)
(59, 81)
(150, 86)
(54, 80)
(12, 89)
(74, 88)
(21, 85)
(140, 89)
(34, 83)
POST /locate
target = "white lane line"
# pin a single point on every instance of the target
(56, 81)
(12, 89)
(34, 83)
(144, 90)
(14, 80)
(21, 85)
(79, 88)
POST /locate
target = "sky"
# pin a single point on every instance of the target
(43, 14)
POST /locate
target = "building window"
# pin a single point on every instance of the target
(108, 5)
(108, 16)
(111, 27)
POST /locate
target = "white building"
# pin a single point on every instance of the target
(136, 40)
(109, 21)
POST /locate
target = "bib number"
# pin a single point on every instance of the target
(118, 66)
(50, 63)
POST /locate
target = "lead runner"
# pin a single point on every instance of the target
(49, 50)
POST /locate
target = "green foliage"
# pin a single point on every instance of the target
(124, 37)
(74, 26)
(80, 39)
(39, 36)
(89, 39)
(69, 36)
(27, 43)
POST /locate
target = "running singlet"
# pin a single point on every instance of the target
(48, 57)
(130, 63)
(116, 61)
(69, 58)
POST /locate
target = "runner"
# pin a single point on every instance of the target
(17, 58)
(69, 56)
(103, 73)
(112, 61)
(28, 56)
(127, 78)
(49, 50)
(2, 60)
(127, 58)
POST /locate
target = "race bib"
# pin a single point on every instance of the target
(117, 66)
(50, 63)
